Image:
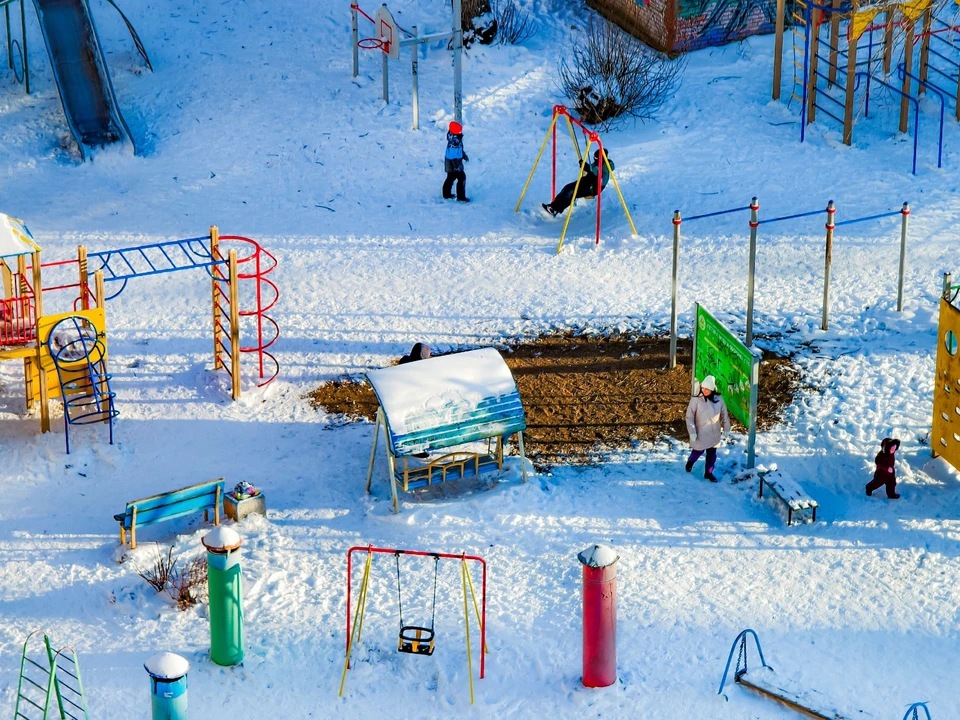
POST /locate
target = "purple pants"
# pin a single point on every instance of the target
(711, 458)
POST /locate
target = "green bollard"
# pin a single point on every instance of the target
(168, 686)
(226, 602)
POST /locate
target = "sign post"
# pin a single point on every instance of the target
(717, 352)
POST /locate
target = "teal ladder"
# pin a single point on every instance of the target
(45, 675)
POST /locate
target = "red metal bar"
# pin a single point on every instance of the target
(421, 553)
(553, 166)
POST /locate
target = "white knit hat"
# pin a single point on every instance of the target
(709, 383)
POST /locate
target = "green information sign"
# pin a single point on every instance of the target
(717, 352)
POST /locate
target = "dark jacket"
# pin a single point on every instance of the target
(455, 155)
(415, 354)
(592, 170)
(885, 460)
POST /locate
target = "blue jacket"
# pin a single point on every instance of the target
(454, 156)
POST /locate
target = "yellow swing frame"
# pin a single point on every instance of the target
(592, 137)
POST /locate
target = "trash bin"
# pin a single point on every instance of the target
(599, 615)
(226, 602)
(168, 686)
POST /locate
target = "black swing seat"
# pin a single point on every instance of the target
(415, 640)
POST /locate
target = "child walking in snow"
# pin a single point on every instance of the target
(453, 163)
(885, 473)
(707, 421)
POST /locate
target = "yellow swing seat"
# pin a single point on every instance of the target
(416, 640)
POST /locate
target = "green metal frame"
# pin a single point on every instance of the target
(5, 4)
(53, 682)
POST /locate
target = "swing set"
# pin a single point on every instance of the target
(591, 137)
(417, 639)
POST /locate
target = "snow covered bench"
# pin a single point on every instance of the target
(763, 681)
(444, 402)
(790, 493)
(169, 505)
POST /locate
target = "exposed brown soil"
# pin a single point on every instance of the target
(586, 394)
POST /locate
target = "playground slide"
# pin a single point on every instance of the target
(86, 92)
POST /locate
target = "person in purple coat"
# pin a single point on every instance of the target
(885, 474)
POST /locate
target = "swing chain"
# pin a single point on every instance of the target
(399, 598)
(436, 571)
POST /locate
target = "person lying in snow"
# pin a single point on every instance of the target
(419, 352)
(453, 164)
(704, 415)
(885, 473)
(588, 185)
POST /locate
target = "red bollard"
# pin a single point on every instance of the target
(599, 615)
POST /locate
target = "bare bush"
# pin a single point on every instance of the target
(188, 585)
(513, 25)
(158, 574)
(612, 75)
(479, 22)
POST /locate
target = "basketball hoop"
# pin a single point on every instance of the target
(371, 44)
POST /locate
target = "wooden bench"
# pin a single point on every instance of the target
(169, 505)
(790, 493)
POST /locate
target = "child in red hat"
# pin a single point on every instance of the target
(453, 163)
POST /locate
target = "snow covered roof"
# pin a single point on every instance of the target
(448, 400)
(15, 238)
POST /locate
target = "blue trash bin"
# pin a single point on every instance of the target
(168, 686)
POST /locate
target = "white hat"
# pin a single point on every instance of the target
(709, 383)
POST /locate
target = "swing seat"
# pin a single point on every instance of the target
(415, 640)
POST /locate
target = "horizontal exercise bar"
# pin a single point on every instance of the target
(420, 39)
(714, 214)
(792, 217)
(869, 217)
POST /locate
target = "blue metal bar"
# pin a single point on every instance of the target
(901, 71)
(869, 217)
(913, 712)
(828, 113)
(916, 112)
(147, 259)
(767, 221)
(742, 637)
(172, 263)
(829, 96)
(714, 214)
(193, 250)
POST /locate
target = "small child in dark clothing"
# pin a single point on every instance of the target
(453, 164)
(419, 352)
(885, 474)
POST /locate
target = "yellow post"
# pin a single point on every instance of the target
(7, 277)
(908, 67)
(476, 606)
(217, 276)
(778, 49)
(133, 529)
(466, 620)
(234, 328)
(84, 277)
(583, 164)
(619, 194)
(357, 620)
(573, 136)
(99, 295)
(536, 162)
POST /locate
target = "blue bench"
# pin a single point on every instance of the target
(169, 505)
(440, 403)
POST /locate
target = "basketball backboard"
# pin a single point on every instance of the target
(386, 30)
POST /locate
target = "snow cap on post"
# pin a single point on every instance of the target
(167, 666)
(598, 556)
(221, 540)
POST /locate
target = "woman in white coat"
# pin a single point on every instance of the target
(705, 413)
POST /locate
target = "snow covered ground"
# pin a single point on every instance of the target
(252, 122)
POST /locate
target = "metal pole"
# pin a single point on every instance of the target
(673, 295)
(904, 214)
(457, 64)
(827, 260)
(23, 43)
(947, 286)
(693, 356)
(6, 14)
(416, 86)
(751, 273)
(386, 78)
(356, 39)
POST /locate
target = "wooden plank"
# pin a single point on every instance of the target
(763, 683)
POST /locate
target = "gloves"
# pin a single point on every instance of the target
(693, 436)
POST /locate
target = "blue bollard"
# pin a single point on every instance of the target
(168, 686)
